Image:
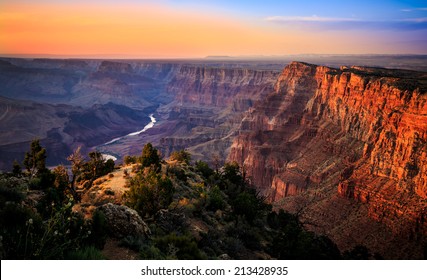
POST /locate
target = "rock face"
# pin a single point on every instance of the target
(208, 106)
(359, 133)
(220, 87)
(123, 221)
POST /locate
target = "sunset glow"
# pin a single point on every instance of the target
(150, 29)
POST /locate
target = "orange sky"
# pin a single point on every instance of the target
(157, 31)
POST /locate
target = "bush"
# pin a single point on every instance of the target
(178, 172)
(150, 157)
(109, 192)
(182, 247)
(87, 253)
(204, 169)
(149, 193)
(151, 252)
(246, 205)
(181, 156)
(215, 199)
(10, 194)
(98, 234)
(129, 159)
(293, 242)
(135, 243)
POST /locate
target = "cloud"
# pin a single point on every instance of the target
(412, 10)
(308, 19)
(328, 23)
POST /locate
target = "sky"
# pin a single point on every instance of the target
(196, 29)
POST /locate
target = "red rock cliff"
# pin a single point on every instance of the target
(361, 132)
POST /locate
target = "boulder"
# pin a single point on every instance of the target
(123, 221)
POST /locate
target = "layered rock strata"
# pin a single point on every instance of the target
(360, 133)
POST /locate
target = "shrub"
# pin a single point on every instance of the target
(204, 169)
(87, 253)
(150, 156)
(182, 247)
(149, 193)
(135, 243)
(215, 199)
(109, 192)
(178, 172)
(151, 252)
(246, 205)
(181, 156)
(98, 234)
(129, 159)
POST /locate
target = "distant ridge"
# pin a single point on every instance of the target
(218, 57)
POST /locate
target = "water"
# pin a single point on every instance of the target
(147, 127)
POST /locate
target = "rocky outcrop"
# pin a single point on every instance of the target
(115, 67)
(211, 86)
(123, 221)
(361, 132)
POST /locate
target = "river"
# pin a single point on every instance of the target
(147, 127)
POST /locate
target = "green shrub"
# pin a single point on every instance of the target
(181, 156)
(215, 199)
(98, 235)
(182, 247)
(151, 252)
(129, 159)
(149, 193)
(178, 172)
(135, 243)
(204, 169)
(150, 157)
(86, 253)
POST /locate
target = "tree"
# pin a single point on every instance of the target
(77, 163)
(215, 199)
(16, 168)
(95, 165)
(150, 192)
(246, 205)
(108, 166)
(56, 193)
(150, 156)
(35, 159)
(204, 169)
(231, 172)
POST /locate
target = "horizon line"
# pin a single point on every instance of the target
(207, 57)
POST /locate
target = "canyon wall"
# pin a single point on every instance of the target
(208, 106)
(196, 105)
(358, 133)
(211, 86)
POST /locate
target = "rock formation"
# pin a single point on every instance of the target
(208, 106)
(359, 133)
(123, 221)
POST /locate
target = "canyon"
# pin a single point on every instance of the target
(87, 103)
(342, 147)
(326, 135)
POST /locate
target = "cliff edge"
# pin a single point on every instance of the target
(347, 148)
